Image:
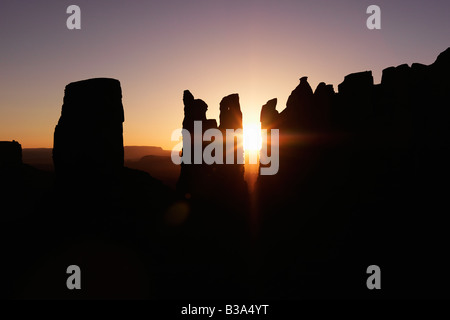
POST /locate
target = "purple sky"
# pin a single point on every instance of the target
(157, 49)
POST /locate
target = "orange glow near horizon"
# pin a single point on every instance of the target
(252, 137)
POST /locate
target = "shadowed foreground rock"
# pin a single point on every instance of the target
(10, 153)
(362, 181)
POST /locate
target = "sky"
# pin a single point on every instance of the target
(157, 49)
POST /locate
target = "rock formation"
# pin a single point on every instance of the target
(88, 156)
(209, 180)
(269, 115)
(218, 197)
(194, 178)
(230, 112)
(88, 136)
(10, 153)
(231, 118)
(298, 111)
(368, 160)
(221, 186)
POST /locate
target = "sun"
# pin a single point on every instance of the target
(252, 137)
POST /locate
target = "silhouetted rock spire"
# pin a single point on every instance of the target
(194, 177)
(230, 112)
(231, 175)
(212, 181)
(88, 136)
(301, 96)
(323, 90)
(269, 114)
(297, 113)
(194, 110)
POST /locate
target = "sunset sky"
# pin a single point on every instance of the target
(157, 49)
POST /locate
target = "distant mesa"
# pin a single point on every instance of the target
(137, 152)
(41, 156)
(10, 153)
